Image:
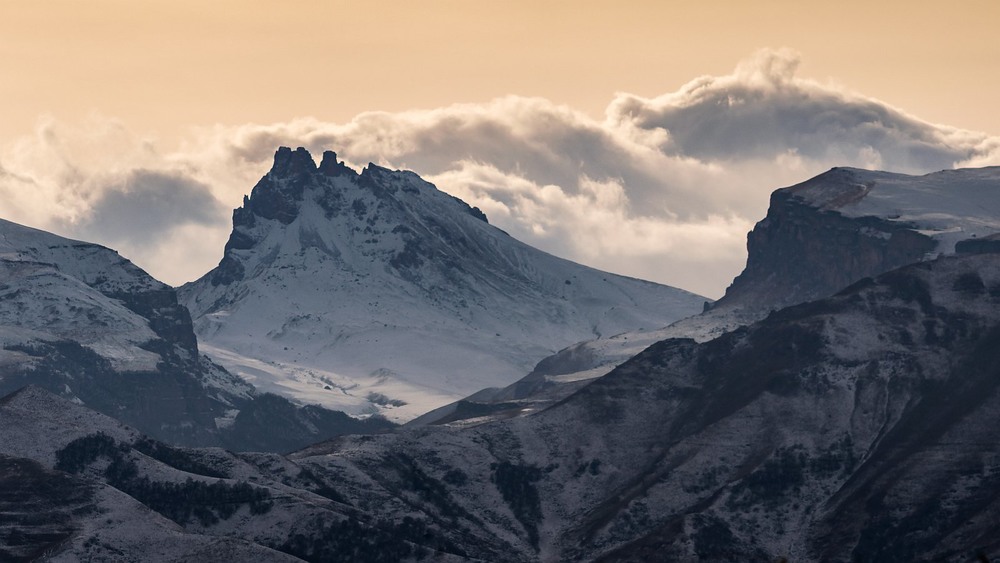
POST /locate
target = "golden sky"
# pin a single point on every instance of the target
(141, 124)
(160, 66)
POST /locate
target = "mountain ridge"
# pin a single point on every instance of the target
(861, 425)
(819, 237)
(82, 321)
(846, 224)
(857, 426)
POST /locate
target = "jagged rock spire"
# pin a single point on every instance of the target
(290, 163)
(330, 166)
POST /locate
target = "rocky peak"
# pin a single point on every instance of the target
(832, 189)
(294, 181)
(387, 250)
(289, 163)
(382, 181)
(330, 166)
(277, 195)
(374, 171)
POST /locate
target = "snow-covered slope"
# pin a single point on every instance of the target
(61, 289)
(948, 206)
(83, 322)
(861, 427)
(376, 291)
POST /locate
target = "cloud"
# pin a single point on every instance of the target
(763, 109)
(147, 203)
(596, 225)
(136, 214)
(663, 188)
(100, 182)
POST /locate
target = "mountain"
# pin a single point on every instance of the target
(376, 292)
(861, 427)
(81, 486)
(847, 224)
(78, 319)
(818, 237)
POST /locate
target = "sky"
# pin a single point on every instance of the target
(642, 138)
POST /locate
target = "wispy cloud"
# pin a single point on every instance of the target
(663, 188)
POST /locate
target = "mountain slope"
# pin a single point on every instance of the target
(858, 427)
(818, 237)
(367, 291)
(83, 322)
(80, 486)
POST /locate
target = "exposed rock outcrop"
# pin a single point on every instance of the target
(803, 251)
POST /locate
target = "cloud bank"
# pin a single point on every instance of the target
(662, 188)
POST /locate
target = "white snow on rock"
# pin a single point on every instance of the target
(379, 293)
(57, 289)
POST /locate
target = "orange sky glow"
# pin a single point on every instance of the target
(160, 66)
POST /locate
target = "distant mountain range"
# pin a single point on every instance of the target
(840, 403)
(859, 427)
(376, 292)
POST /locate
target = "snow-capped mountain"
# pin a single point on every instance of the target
(81, 320)
(858, 427)
(376, 291)
(78, 319)
(818, 237)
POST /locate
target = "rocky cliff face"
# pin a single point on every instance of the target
(847, 224)
(799, 253)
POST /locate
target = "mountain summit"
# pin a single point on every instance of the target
(376, 291)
